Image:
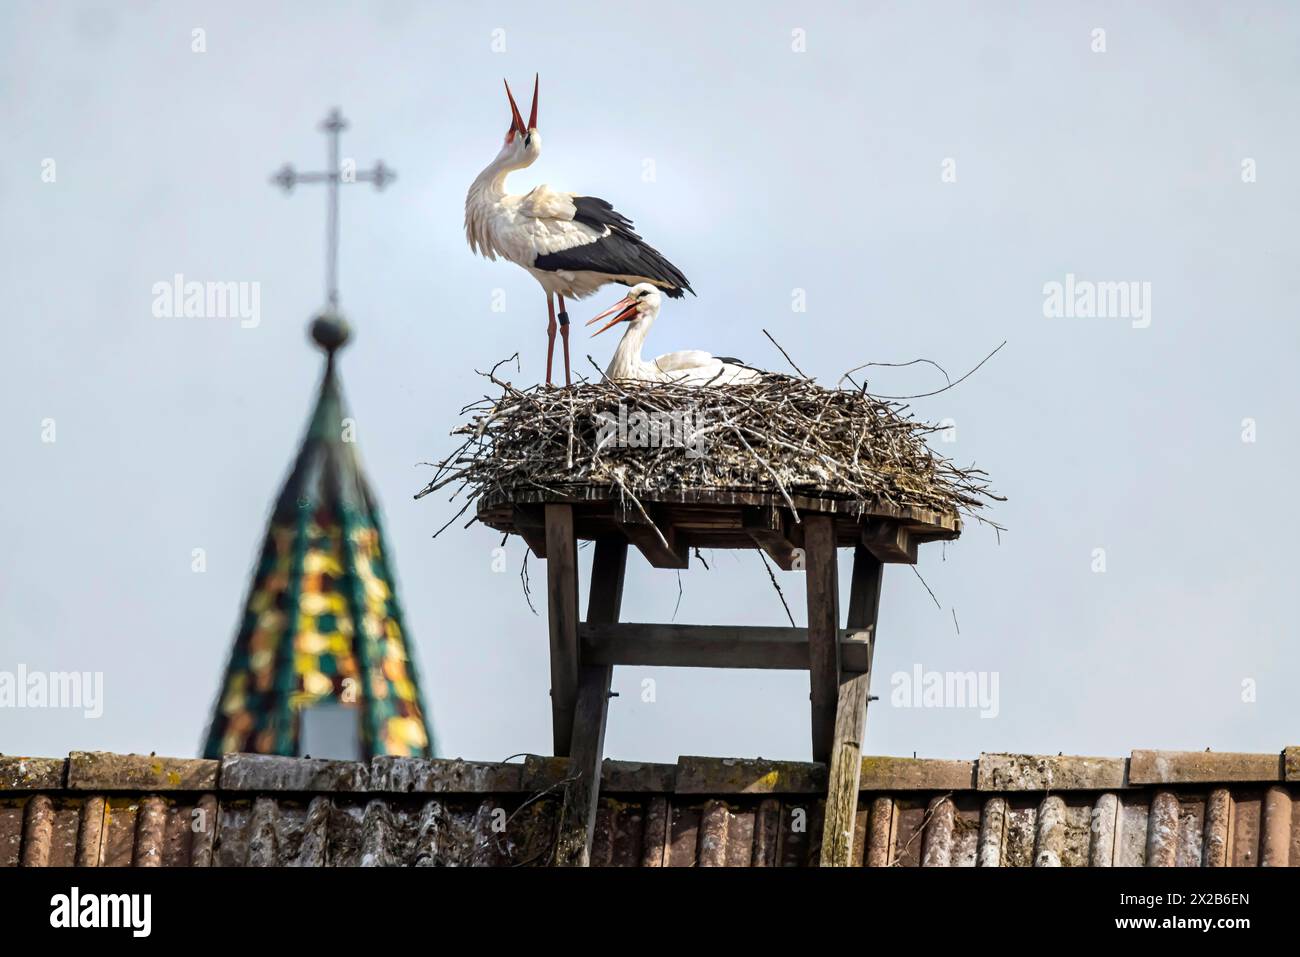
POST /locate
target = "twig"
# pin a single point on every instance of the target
(784, 353)
(927, 587)
(523, 577)
(895, 365)
(950, 385)
(777, 585)
(920, 828)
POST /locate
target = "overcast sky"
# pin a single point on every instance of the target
(794, 146)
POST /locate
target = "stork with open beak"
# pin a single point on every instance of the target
(571, 244)
(638, 309)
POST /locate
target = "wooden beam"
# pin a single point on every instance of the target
(530, 522)
(766, 526)
(823, 630)
(889, 540)
(719, 500)
(662, 545)
(851, 717)
(712, 646)
(582, 795)
(562, 613)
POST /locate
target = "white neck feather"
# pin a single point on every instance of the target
(627, 362)
(491, 183)
(485, 196)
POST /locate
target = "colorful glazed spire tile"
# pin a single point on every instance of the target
(322, 625)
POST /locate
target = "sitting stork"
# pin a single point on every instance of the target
(571, 244)
(691, 366)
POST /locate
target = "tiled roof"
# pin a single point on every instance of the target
(1157, 808)
(322, 622)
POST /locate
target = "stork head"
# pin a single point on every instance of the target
(523, 144)
(641, 304)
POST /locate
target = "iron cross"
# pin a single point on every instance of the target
(287, 178)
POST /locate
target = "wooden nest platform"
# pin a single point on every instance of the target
(666, 526)
(676, 466)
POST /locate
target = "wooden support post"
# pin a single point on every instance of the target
(562, 613)
(846, 771)
(823, 630)
(581, 796)
(851, 717)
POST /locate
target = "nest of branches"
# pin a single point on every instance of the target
(782, 435)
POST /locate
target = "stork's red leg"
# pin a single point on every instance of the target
(564, 334)
(550, 336)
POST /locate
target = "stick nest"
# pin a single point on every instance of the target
(783, 435)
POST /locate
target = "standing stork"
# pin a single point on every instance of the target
(571, 244)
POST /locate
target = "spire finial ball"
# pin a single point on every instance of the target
(330, 331)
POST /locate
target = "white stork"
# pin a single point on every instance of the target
(638, 309)
(571, 244)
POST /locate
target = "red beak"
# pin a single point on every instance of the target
(517, 121)
(627, 304)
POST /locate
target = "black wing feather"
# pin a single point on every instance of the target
(620, 253)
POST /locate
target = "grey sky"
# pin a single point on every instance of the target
(774, 170)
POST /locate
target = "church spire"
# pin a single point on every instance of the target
(321, 663)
